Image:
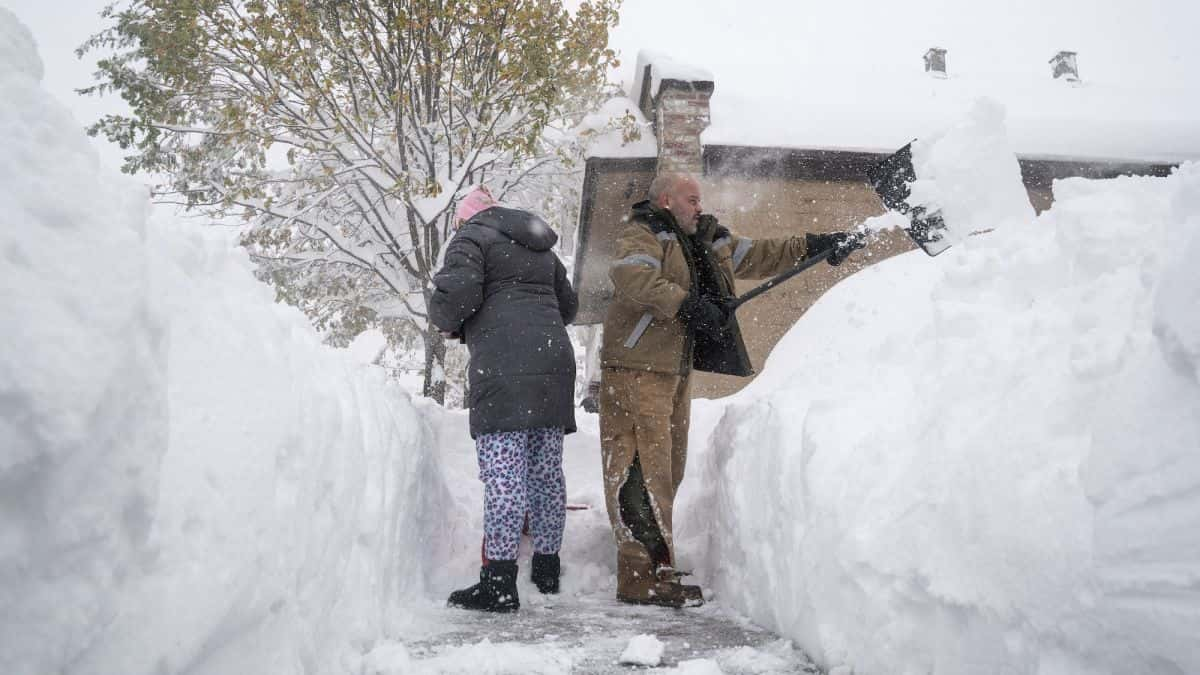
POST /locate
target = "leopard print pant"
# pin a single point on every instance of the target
(522, 476)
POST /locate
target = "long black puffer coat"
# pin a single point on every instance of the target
(507, 294)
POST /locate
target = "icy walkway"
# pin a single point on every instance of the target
(583, 629)
(588, 635)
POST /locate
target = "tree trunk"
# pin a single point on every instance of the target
(434, 385)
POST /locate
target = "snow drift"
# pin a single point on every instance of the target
(984, 462)
(189, 480)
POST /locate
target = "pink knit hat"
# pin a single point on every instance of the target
(476, 200)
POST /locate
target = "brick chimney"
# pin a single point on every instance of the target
(675, 99)
(935, 62)
(1065, 67)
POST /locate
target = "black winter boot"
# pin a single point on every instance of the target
(545, 572)
(495, 592)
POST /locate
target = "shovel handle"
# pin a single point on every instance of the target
(775, 281)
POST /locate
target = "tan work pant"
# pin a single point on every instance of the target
(645, 415)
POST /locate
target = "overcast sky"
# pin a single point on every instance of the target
(752, 44)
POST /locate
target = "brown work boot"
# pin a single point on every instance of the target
(639, 583)
(691, 593)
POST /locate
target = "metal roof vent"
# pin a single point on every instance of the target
(1065, 67)
(935, 62)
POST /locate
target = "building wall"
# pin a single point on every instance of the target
(1041, 198)
(612, 190)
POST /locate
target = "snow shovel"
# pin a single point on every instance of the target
(775, 281)
(889, 179)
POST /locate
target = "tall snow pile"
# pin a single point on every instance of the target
(188, 479)
(984, 462)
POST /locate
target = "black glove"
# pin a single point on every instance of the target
(709, 229)
(842, 243)
(706, 223)
(703, 314)
(727, 306)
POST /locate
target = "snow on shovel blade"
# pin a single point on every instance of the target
(890, 180)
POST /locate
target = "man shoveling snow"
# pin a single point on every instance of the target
(672, 312)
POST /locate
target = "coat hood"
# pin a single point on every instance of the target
(523, 227)
(660, 220)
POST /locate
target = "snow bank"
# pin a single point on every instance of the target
(189, 480)
(983, 462)
(18, 50)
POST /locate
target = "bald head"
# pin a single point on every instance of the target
(662, 184)
(678, 193)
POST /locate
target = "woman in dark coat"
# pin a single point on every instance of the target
(506, 294)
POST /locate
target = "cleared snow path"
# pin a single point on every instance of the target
(587, 635)
(581, 630)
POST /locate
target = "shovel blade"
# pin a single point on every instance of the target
(890, 180)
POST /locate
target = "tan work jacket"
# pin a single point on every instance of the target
(651, 279)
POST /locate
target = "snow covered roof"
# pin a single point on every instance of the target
(822, 75)
(1046, 118)
(662, 67)
(604, 133)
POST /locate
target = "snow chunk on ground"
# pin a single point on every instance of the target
(643, 650)
(981, 462)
